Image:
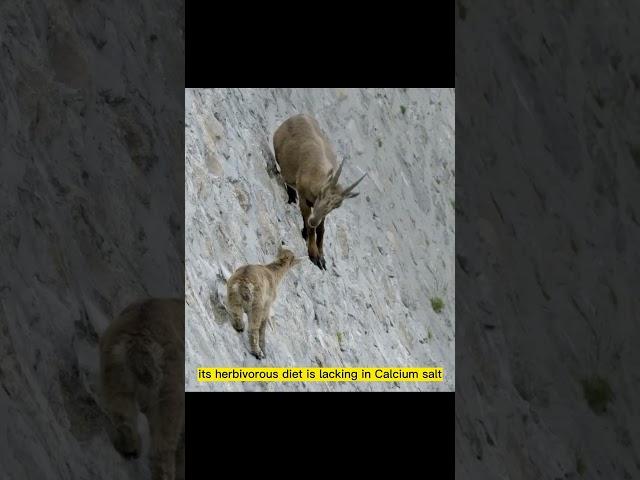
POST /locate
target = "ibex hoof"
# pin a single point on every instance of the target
(259, 354)
(239, 329)
(131, 455)
(319, 262)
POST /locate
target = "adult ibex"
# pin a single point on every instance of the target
(142, 366)
(308, 165)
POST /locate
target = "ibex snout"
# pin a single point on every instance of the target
(313, 222)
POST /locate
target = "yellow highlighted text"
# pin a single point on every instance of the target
(324, 374)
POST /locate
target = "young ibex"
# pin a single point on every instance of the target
(142, 365)
(252, 289)
(308, 165)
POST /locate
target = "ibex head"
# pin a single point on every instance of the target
(126, 440)
(287, 259)
(331, 196)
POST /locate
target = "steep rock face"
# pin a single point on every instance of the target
(547, 379)
(91, 188)
(388, 251)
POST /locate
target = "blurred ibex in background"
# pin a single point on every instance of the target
(142, 365)
(308, 165)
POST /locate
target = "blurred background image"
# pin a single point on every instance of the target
(92, 195)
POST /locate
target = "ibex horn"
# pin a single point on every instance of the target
(334, 179)
(354, 185)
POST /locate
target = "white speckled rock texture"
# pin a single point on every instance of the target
(388, 251)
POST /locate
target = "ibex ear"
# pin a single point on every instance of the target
(326, 184)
